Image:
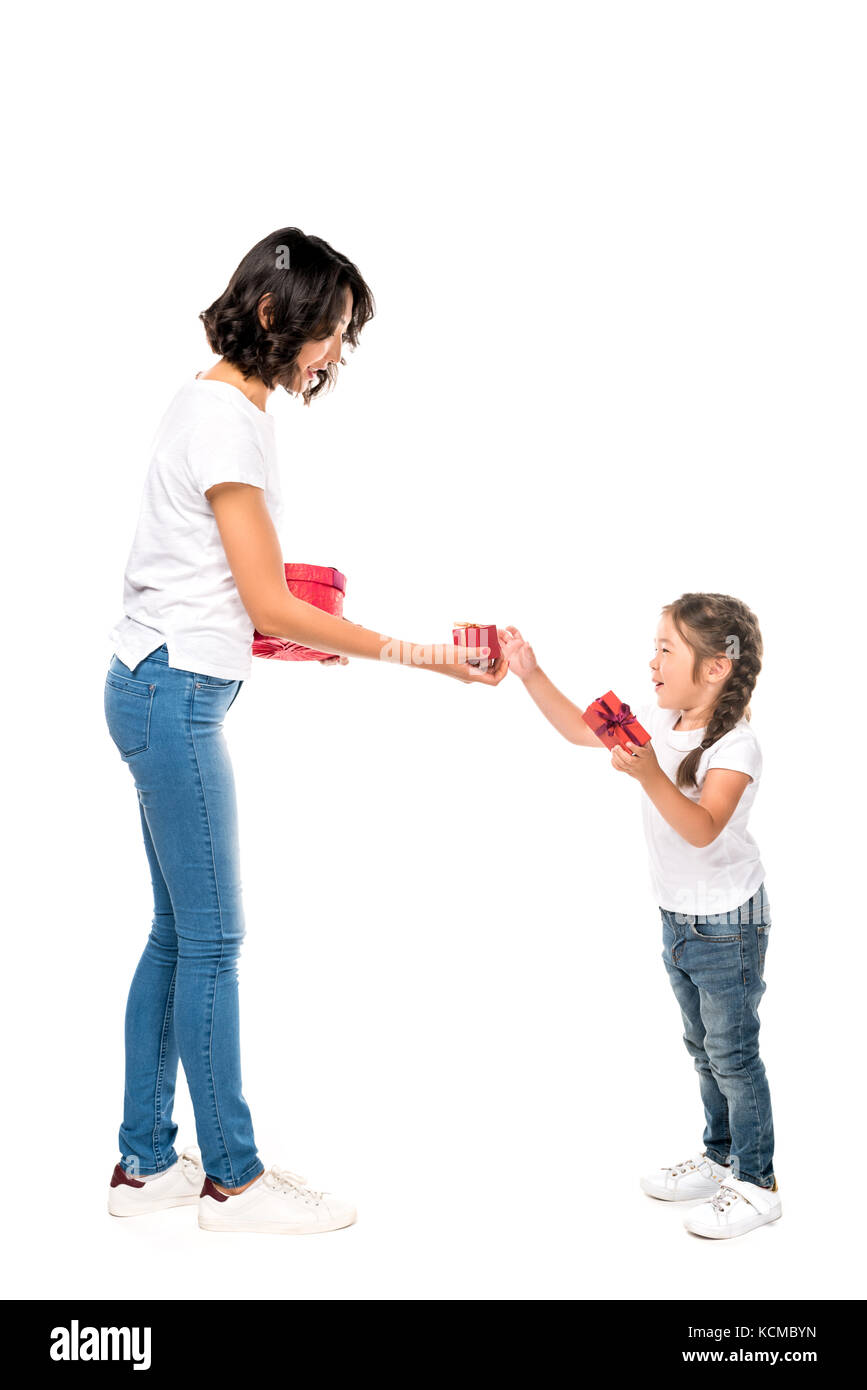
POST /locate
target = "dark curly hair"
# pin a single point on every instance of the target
(300, 282)
(714, 625)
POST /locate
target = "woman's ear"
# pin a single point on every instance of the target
(264, 307)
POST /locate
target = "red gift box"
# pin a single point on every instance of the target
(477, 635)
(321, 585)
(613, 722)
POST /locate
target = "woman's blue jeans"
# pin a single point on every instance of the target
(167, 725)
(716, 965)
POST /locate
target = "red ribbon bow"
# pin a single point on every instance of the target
(622, 718)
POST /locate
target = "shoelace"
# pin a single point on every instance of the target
(680, 1168)
(726, 1197)
(689, 1165)
(283, 1179)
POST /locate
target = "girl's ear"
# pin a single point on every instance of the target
(718, 668)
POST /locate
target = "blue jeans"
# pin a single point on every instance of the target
(167, 725)
(716, 965)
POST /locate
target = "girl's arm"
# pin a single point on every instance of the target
(252, 549)
(558, 710)
(698, 823)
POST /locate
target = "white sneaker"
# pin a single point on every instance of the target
(735, 1208)
(279, 1202)
(695, 1177)
(178, 1186)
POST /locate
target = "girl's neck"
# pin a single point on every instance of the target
(690, 720)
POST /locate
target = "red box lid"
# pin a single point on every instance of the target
(317, 574)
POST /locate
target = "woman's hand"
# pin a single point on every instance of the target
(519, 655)
(637, 762)
(474, 675)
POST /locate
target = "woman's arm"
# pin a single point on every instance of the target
(567, 718)
(252, 549)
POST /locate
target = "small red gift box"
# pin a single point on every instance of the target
(321, 585)
(613, 722)
(477, 635)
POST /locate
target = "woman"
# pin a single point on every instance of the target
(204, 569)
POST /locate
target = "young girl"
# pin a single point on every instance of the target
(699, 777)
(204, 569)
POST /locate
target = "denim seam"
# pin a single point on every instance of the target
(158, 1093)
(742, 1054)
(232, 1182)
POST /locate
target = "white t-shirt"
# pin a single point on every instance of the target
(178, 587)
(720, 876)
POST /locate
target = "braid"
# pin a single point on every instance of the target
(719, 624)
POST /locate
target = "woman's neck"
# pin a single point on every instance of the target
(252, 387)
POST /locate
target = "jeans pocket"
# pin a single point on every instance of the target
(762, 935)
(721, 931)
(222, 687)
(128, 705)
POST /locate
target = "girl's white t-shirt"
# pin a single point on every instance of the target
(178, 587)
(714, 878)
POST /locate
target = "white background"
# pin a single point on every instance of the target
(617, 254)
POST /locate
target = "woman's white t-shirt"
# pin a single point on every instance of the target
(720, 876)
(178, 587)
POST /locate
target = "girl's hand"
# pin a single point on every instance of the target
(519, 654)
(639, 763)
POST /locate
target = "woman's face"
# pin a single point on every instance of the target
(318, 352)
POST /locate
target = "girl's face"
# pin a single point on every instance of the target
(671, 671)
(316, 352)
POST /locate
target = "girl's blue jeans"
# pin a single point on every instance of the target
(167, 725)
(716, 965)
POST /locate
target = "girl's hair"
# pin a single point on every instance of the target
(715, 624)
(300, 282)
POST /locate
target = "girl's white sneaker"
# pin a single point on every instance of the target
(178, 1186)
(737, 1207)
(279, 1202)
(694, 1178)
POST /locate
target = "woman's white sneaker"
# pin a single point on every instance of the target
(178, 1186)
(737, 1207)
(278, 1202)
(694, 1178)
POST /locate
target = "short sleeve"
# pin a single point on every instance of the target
(222, 450)
(739, 751)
